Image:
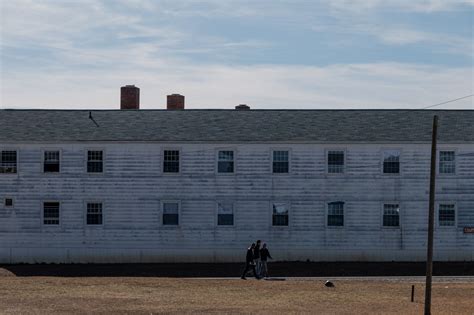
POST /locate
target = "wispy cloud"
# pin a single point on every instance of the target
(426, 6)
(380, 85)
(77, 54)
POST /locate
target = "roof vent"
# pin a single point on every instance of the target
(242, 107)
(175, 101)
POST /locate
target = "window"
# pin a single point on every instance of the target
(170, 213)
(94, 214)
(391, 162)
(51, 213)
(95, 162)
(447, 163)
(446, 215)
(336, 213)
(225, 162)
(9, 202)
(280, 214)
(8, 163)
(335, 161)
(171, 161)
(280, 161)
(391, 215)
(225, 213)
(51, 162)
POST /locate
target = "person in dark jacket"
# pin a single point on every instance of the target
(264, 255)
(249, 262)
(256, 257)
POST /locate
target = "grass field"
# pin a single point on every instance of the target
(55, 295)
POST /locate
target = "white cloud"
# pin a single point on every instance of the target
(88, 75)
(382, 85)
(426, 6)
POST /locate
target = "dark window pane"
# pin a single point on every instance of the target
(171, 161)
(94, 161)
(94, 167)
(170, 213)
(280, 161)
(391, 220)
(391, 167)
(225, 219)
(8, 162)
(51, 168)
(51, 213)
(336, 213)
(280, 219)
(447, 215)
(94, 213)
(51, 162)
(391, 162)
(8, 202)
(280, 167)
(226, 155)
(280, 214)
(391, 215)
(170, 219)
(335, 220)
(225, 213)
(335, 161)
(225, 167)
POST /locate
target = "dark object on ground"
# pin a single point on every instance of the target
(279, 269)
(275, 279)
(329, 284)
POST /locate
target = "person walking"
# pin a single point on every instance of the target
(256, 257)
(264, 255)
(249, 262)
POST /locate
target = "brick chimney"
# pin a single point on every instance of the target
(175, 101)
(242, 107)
(129, 97)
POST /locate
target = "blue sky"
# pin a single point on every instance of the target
(268, 54)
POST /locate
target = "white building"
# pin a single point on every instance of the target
(200, 185)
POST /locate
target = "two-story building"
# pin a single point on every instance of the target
(173, 185)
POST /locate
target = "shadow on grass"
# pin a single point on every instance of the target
(277, 269)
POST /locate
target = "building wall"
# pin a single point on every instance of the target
(133, 186)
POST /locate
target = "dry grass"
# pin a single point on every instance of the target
(50, 295)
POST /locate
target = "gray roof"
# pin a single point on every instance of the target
(209, 125)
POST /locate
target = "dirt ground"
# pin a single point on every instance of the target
(148, 295)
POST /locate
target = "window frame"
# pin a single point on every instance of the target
(344, 212)
(94, 226)
(289, 160)
(17, 150)
(60, 160)
(51, 226)
(391, 202)
(438, 161)
(400, 161)
(288, 204)
(217, 161)
(326, 158)
(86, 155)
(161, 213)
(447, 202)
(180, 159)
(225, 226)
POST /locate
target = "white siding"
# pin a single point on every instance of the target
(133, 185)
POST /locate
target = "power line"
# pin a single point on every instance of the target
(450, 101)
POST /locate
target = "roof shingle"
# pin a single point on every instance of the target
(235, 126)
